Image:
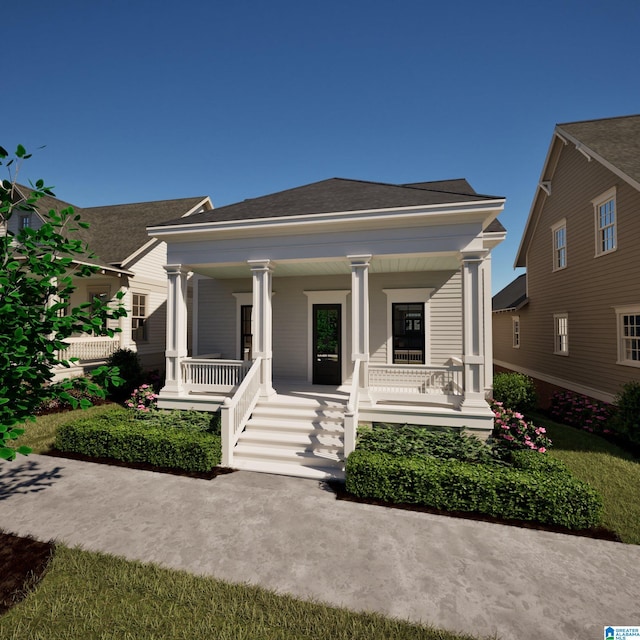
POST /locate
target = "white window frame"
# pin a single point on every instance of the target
(559, 251)
(138, 316)
(598, 203)
(25, 221)
(561, 334)
(515, 326)
(621, 312)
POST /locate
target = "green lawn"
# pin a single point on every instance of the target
(614, 473)
(95, 596)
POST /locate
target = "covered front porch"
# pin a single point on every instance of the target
(383, 382)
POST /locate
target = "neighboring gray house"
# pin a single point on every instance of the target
(574, 321)
(130, 262)
(328, 304)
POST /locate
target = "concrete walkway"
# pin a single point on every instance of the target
(293, 536)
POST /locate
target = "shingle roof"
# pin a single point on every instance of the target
(512, 296)
(117, 231)
(336, 195)
(617, 140)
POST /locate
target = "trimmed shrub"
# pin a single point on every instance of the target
(582, 412)
(411, 440)
(516, 391)
(544, 493)
(116, 435)
(626, 420)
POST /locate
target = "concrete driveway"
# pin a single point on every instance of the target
(293, 536)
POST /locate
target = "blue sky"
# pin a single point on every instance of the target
(143, 100)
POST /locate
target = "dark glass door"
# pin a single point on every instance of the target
(327, 332)
(408, 333)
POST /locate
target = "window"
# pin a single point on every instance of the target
(25, 221)
(605, 212)
(561, 331)
(629, 335)
(515, 324)
(246, 337)
(139, 317)
(559, 232)
(408, 333)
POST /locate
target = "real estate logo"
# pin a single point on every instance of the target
(621, 633)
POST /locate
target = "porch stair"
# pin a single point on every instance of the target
(302, 438)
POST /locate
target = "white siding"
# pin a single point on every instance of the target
(150, 265)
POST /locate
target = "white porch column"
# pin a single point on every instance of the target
(262, 322)
(176, 326)
(488, 320)
(360, 316)
(473, 340)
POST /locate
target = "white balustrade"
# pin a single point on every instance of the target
(236, 411)
(415, 380)
(89, 348)
(202, 374)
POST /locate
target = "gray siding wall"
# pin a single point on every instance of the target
(217, 313)
(589, 287)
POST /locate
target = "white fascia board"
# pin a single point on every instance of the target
(585, 150)
(393, 215)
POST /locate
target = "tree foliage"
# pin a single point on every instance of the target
(38, 265)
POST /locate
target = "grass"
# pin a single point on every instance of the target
(613, 472)
(39, 435)
(95, 596)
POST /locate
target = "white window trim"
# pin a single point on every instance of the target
(398, 296)
(597, 202)
(515, 332)
(145, 317)
(562, 224)
(556, 334)
(243, 299)
(631, 309)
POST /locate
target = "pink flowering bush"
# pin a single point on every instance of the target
(581, 412)
(143, 399)
(512, 432)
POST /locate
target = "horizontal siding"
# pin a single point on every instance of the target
(588, 288)
(150, 266)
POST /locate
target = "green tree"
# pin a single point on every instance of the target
(37, 268)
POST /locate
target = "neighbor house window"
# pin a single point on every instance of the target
(408, 333)
(559, 232)
(605, 212)
(515, 324)
(139, 312)
(629, 335)
(561, 330)
(25, 221)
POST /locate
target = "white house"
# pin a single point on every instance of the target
(334, 303)
(129, 262)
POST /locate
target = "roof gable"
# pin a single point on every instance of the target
(613, 142)
(336, 195)
(512, 297)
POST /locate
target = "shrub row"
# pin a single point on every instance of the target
(538, 488)
(116, 435)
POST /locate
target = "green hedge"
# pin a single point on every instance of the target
(536, 488)
(117, 436)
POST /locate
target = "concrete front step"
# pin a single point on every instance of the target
(302, 440)
(291, 425)
(286, 469)
(293, 412)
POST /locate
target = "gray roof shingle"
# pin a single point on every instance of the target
(617, 140)
(336, 195)
(512, 296)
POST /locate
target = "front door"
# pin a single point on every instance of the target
(327, 348)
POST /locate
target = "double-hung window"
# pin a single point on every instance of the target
(629, 335)
(605, 215)
(559, 234)
(139, 311)
(561, 334)
(515, 325)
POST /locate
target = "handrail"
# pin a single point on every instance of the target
(351, 415)
(424, 380)
(236, 410)
(202, 374)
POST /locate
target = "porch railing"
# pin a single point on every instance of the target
(416, 380)
(351, 415)
(89, 348)
(236, 411)
(211, 374)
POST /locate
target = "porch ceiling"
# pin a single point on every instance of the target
(386, 264)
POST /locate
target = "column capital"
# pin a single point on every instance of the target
(261, 265)
(360, 260)
(176, 270)
(474, 255)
